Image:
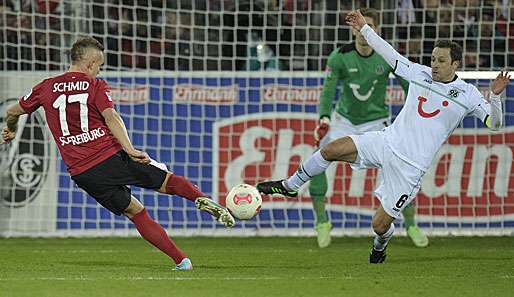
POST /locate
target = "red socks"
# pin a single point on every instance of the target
(156, 235)
(178, 185)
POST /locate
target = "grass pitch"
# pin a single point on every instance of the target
(482, 266)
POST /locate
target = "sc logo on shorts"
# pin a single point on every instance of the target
(24, 162)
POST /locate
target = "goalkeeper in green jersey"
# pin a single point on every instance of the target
(361, 107)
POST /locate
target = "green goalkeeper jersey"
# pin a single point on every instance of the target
(362, 96)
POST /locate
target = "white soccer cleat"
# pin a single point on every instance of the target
(219, 212)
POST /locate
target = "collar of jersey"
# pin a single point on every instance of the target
(440, 94)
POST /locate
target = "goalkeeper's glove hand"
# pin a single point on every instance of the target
(321, 130)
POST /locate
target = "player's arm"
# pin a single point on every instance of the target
(332, 76)
(491, 112)
(384, 49)
(119, 131)
(12, 115)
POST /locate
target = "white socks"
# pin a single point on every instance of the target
(380, 241)
(313, 166)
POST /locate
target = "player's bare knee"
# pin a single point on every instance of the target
(133, 208)
(342, 149)
(162, 189)
(327, 152)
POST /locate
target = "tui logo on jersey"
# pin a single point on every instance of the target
(425, 114)
(24, 162)
(362, 97)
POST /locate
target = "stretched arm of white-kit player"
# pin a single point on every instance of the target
(383, 48)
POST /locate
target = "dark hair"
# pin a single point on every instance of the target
(371, 13)
(455, 49)
(78, 50)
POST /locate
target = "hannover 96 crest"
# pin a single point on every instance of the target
(24, 162)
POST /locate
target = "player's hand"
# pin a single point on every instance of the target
(7, 135)
(139, 156)
(500, 83)
(356, 20)
(321, 130)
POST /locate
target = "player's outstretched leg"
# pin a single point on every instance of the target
(384, 228)
(219, 212)
(416, 234)
(179, 185)
(341, 149)
(317, 190)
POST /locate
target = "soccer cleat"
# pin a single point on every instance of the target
(219, 212)
(323, 230)
(418, 237)
(377, 256)
(275, 187)
(185, 264)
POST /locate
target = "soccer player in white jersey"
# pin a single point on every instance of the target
(436, 103)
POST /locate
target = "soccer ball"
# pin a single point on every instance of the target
(244, 201)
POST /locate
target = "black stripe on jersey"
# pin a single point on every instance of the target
(396, 66)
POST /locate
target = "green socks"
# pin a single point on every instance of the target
(317, 189)
(408, 215)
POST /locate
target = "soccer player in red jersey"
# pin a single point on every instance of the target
(95, 146)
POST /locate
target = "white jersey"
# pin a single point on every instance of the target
(432, 109)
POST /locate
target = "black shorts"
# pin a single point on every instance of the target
(107, 182)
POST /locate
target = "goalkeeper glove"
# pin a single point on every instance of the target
(321, 130)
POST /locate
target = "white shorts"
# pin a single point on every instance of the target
(400, 180)
(341, 127)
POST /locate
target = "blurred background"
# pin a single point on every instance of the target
(233, 35)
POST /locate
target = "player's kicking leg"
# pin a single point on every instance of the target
(178, 185)
(219, 212)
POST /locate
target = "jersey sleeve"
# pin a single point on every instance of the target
(488, 112)
(333, 73)
(103, 98)
(32, 100)
(401, 65)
